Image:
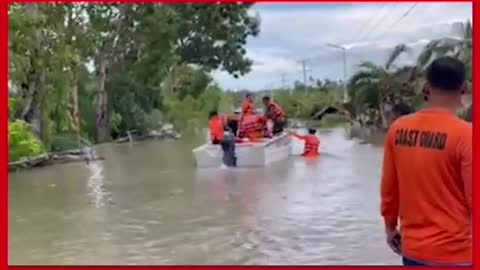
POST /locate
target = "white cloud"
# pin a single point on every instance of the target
(290, 33)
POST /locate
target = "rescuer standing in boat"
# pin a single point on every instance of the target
(220, 134)
(312, 143)
(427, 175)
(248, 107)
(275, 113)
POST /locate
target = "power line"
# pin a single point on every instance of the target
(377, 23)
(403, 16)
(368, 24)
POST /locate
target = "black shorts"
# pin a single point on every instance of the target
(278, 127)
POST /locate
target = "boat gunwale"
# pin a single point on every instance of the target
(266, 143)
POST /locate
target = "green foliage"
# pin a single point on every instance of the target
(302, 105)
(21, 141)
(214, 35)
(157, 59)
(374, 86)
(190, 113)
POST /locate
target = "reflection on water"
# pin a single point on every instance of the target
(148, 204)
(95, 184)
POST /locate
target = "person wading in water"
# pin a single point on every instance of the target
(220, 134)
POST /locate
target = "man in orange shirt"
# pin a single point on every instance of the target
(312, 143)
(427, 175)
(274, 112)
(247, 106)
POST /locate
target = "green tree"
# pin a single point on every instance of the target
(214, 35)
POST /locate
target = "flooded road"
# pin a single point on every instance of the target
(148, 204)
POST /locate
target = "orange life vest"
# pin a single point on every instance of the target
(312, 143)
(275, 112)
(252, 126)
(247, 108)
(216, 127)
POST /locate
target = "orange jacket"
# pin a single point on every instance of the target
(252, 127)
(312, 144)
(275, 112)
(216, 127)
(427, 184)
(247, 108)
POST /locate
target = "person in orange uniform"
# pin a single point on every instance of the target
(312, 143)
(247, 107)
(252, 127)
(427, 175)
(275, 113)
(218, 135)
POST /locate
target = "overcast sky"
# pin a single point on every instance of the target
(290, 32)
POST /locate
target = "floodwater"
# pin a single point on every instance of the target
(148, 204)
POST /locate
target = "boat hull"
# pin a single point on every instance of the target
(258, 154)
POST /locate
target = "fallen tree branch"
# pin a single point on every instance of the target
(51, 159)
(152, 135)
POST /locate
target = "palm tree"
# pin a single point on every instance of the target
(375, 88)
(460, 48)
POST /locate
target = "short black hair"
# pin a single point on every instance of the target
(312, 131)
(249, 94)
(446, 73)
(213, 113)
(266, 98)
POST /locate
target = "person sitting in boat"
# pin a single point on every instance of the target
(312, 143)
(275, 113)
(252, 127)
(220, 134)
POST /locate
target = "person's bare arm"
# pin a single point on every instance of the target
(298, 136)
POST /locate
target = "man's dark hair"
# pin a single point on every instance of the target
(266, 98)
(312, 131)
(249, 94)
(446, 73)
(213, 113)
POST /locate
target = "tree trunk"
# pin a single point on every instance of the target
(31, 111)
(74, 111)
(102, 117)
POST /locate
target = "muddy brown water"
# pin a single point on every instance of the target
(148, 204)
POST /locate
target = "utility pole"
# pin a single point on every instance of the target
(282, 80)
(304, 70)
(344, 58)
